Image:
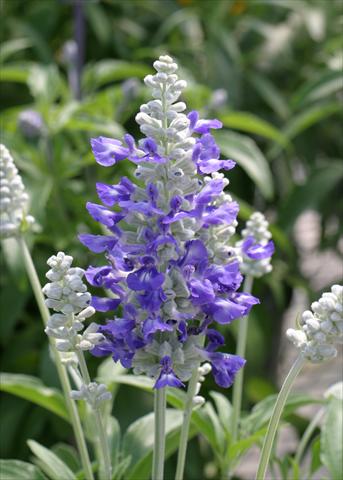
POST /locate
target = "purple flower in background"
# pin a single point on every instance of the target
(255, 247)
(257, 251)
(167, 256)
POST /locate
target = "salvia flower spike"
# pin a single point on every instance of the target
(320, 328)
(169, 262)
(256, 247)
(13, 198)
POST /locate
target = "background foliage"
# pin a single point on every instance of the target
(271, 70)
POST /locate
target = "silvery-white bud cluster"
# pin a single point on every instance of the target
(256, 227)
(13, 198)
(93, 393)
(67, 295)
(161, 118)
(321, 328)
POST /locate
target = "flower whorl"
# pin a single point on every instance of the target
(13, 198)
(321, 328)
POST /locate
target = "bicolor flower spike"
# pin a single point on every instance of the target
(13, 198)
(321, 328)
(169, 263)
(256, 247)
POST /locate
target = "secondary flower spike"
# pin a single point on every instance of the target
(256, 247)
(168, 262)
(68, 296)
(321, 328)
(13, 198)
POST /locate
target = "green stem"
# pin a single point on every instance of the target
(63, 377)
(276, 415)
(103, 451)
(241, 347)
(308, 434)
(160, 435)
(181, 458)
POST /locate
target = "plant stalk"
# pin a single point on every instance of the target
(308, 434)
(241, 347)
(62, 374)
(276, 415)
(187, 414)
(103, 451)
(160, 434)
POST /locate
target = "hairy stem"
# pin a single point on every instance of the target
(181, 457)
(62, 374)
(241, 346)
(276, 415)
(160, 434)
(103, 450)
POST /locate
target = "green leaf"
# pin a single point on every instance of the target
(224, 409)
(332, 439)
(11, 47)
(93, 125)
(68, 455)
(120, 467)
(318, 186)
(315, 455)
(46, 83)
(237, 449)
(246, 153)
(175, 397)
(327, 84)
(113, 434)
(106, 71)
(308, 117)
(32, 389)
(138, 441)
(250, 123)
(50, 463)
(18, 470)
(15, 73)
(262, 411)
(270, 94)
(219, 433)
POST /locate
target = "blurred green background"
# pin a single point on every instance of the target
(270, 70)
